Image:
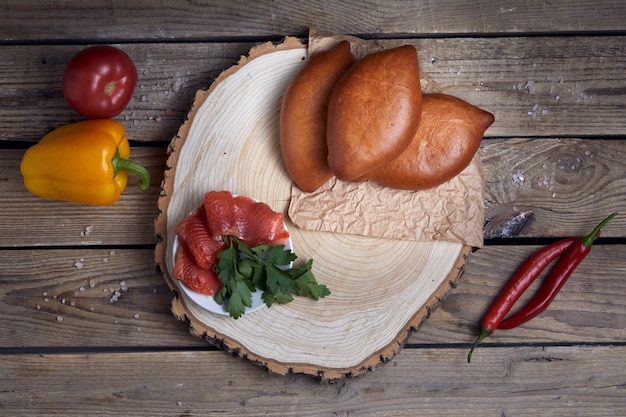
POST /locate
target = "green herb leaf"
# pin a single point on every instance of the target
(240, 298)
(242, 270)
(308, 286)
(279, 280)
(227, 263)
(277, 255)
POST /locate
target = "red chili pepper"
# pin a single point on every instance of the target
(556, 279)
(574, 251)
(516, 286)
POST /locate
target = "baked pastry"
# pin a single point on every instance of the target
(447, 139)
(373, 112)
(303, 117)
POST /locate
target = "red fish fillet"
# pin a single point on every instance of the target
(200, 235)
(194, 232)
(198, 279)
(250, 221)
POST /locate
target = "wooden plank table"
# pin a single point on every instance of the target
(552, 73)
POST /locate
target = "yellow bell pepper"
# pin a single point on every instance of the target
(84, 162)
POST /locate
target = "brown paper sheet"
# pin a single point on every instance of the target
(453, 211)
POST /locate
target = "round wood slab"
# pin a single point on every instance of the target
(381, 289)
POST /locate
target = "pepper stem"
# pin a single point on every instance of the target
(120, 164)
(484, 332)
(588, 240)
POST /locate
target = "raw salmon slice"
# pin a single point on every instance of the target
(200, 236)
(198, 279)
(260, 224)
(221, 214)
(194, 232)
(250, 221)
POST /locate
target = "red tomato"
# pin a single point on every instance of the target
(99, 81)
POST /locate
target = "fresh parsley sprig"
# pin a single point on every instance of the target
(243, 269)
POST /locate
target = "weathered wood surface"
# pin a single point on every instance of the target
(510, 381)
(536, 86)
(552, 72)
(163, 21)
(568, 183)
(49, 290)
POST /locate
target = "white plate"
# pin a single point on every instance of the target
(208, 303)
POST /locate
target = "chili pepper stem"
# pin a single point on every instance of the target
(588, 240)
(484, 333)
(136, 168)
